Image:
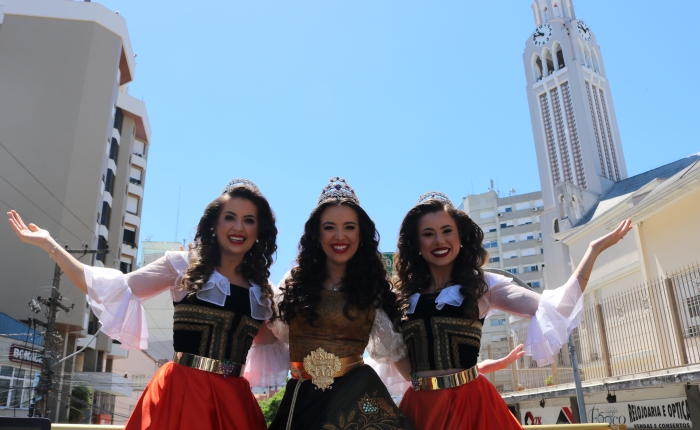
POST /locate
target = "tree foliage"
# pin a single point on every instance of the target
(270, 406)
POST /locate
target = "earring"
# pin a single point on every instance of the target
(256, 241)
(461, 246)
(213, 235)
(420, 253)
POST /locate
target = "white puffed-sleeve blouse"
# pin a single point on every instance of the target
(554, 313)
(116, 298)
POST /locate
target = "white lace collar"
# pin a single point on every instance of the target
(448, 296)
(218, 287)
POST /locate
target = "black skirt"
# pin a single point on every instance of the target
(356, 401)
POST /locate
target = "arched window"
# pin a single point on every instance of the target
(556, 6)
(549, 63)
(596, 65)
(576, 207)
(582, 54)
(537, 67)
(587, 52)
(559, 54)
(556, 226)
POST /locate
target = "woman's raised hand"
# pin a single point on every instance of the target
(28, 234)
(610, 239)
(488, 366)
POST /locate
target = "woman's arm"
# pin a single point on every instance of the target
(34, 235)
(583, 271)
(489, 366)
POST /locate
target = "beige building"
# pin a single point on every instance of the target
(73, 148)
(138, 368)
(513, 239)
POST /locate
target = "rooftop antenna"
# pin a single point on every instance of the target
(177, 218)
(511, 191)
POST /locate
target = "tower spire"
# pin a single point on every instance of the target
(550, 10)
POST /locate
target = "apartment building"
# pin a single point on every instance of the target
(73, 151)
(513, 238)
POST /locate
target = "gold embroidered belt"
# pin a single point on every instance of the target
(446, 381)
(323, 367)
(221, 367)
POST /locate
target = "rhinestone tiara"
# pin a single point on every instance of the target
(338, 188)
(435, 195)
(240, 182)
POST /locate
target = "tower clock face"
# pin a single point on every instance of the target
(583, 30)
(542, 34)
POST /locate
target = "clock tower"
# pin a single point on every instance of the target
(577, 140)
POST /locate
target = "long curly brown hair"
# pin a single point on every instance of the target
(412, 271)
(207, 254)
(365, 282)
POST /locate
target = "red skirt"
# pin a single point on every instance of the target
(179, 397)
(473, 406)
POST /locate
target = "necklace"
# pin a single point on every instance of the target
(335, 287)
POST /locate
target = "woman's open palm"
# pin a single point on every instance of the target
(28, 234)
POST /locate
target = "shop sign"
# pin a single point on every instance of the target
(547, 415)
(21, 354)
(645, 414)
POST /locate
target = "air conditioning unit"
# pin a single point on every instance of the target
(535, 209)
(500, 214)
(539, 239)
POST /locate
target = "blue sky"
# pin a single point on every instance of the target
(398, 97)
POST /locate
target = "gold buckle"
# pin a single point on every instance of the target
(322, 366)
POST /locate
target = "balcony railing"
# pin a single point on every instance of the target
(648, 328)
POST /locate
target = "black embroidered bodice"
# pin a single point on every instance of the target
(219, 332)
(441, 339)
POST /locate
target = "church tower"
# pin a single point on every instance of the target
(577, 140)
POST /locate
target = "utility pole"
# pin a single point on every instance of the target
(53, 304)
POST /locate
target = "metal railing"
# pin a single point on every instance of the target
(650, 327)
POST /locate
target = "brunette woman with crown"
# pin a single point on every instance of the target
(221, 297)
(446, 295)
(335, 303)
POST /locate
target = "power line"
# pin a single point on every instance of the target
(30, 201)
(42, 185)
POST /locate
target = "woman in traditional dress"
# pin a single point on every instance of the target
(445, 296)
(221, 297)
(337, 302)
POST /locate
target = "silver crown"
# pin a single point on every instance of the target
(240, 182)
(338, 188)
(435, 195)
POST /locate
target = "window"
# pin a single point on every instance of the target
(114, 150)
(135, 176)
(693, 331)
(109, 182)
(507, 224)
(129, 236)
(527, 236)
(491, 244)
(106, 214)
(101, 244)
(15, 387)
(118, 120)
(512, 270)
(522, 206)
(487, 214)
(693, 304)
(525, 221)
(489, 228)
(132, 204)
(528, 251)
(139, 382)
(125, 267)
(494, 259)
(139, 148)
(508, 239)
(539, 204)
(510, 254)
(498, 322)
(505, 209)
(531, 268)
